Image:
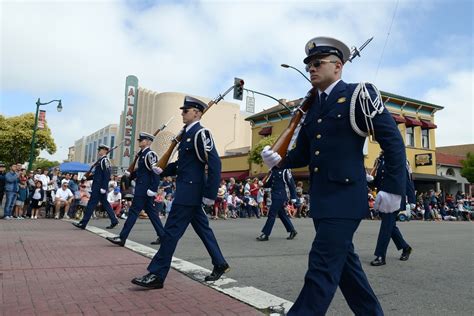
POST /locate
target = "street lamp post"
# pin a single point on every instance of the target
(33, 140)
(288, 66)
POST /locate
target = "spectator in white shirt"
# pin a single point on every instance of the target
(44, 178)
(232, 203)
(64, 198)
(115, 199)
(112, 183)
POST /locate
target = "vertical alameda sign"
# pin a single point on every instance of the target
(129, 116)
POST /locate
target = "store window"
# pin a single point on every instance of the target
(410, 136)
(425, 138)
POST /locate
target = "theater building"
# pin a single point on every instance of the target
(147, 110)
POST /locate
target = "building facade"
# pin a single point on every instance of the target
(448, 161)
(85, 148)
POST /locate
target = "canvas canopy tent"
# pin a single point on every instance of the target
(74, 166)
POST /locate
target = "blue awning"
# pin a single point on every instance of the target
(74, 166)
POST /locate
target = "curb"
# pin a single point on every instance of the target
(267, 303)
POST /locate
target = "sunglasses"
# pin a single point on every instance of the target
(317, 62)
(186, 110)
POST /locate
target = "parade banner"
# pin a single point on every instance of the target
(41, 119)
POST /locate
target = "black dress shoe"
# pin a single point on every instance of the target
(156, 242)
(379, 261)
(111, 226)
(292, 235)
(262, 237)
(217, 272)
(116, 240)
(151, 281)
(79, 225)
(406, 253)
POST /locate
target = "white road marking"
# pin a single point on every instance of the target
(263, 301)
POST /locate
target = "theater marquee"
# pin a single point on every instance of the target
(130, 108)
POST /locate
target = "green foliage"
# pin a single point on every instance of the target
(16, 133)
(467, 170)
(254, 154)
(43, 163)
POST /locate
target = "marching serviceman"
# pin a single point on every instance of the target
(100, 184)
(145, 191)
(279, 181)
(330, 142)
(388, 226)
(193, 188)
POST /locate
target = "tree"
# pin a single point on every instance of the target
(254, 154)
(16, 133)
(467, 170)
(42, 163)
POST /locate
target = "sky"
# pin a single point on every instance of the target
(82, 51)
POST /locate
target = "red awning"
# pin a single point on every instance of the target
(428, 124)
(411, 121)
(265, 131)
(398, 118)
(237, 175)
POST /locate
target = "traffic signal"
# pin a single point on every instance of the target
(238, 89)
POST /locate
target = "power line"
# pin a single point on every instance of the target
(386, 39)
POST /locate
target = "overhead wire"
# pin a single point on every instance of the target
(386, 39)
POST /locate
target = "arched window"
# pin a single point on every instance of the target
(450, 172)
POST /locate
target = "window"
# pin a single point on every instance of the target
(425, 138)
(86, 153)
(410, 136)
(112, 144)
(105, 140)
(450, 172)
(94, 148)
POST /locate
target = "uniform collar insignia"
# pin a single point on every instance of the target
(188, 140)
(341, 100)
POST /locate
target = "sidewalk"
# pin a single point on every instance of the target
(48, 267)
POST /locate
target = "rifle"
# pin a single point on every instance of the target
(163, 162)
(131, 168)
(89, 173)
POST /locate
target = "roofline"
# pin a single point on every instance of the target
(404, 99)
(385, 94)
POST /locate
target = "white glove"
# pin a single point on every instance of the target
(157, 170)
(127, 173)
(387, 202)
(150, 193)
(293, 201)
(102, 191)
(369, 177)
(270, 158)
(412, 206)
(207, 201)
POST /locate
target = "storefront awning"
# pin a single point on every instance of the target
(428, 124)
(237, 175)
(398, 118)
(430, 178)
(265, 131)
(411, 121)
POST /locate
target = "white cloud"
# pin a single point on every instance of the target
(455, 121)
(86, 49)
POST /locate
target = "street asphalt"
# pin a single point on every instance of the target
(437, 280)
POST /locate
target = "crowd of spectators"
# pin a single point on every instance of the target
(432, 206)
(49, 193)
